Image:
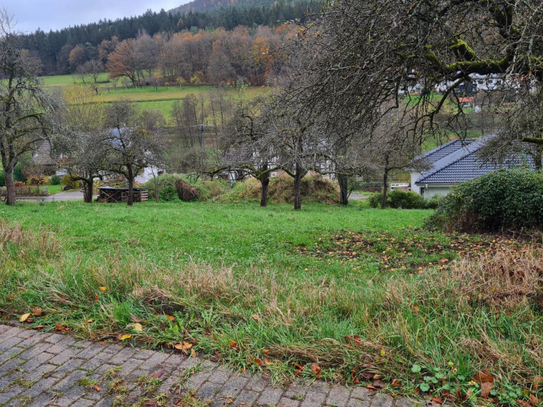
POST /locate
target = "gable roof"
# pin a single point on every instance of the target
(463, 163)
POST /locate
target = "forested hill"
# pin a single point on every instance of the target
(199, 6)
(54, 47)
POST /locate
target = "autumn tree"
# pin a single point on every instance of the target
(123, 61)
(78, 56)
(26, 114)
(90, 69)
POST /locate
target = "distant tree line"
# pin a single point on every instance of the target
(55, 48)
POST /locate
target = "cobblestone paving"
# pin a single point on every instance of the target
(50, 369)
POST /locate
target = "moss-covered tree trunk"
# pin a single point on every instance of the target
(343, 182)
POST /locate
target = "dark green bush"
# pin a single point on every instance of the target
(402, 199)
(168, 193)
(55, 180)
(505, 199)
(2, 179)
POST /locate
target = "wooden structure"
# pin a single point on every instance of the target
(117, 195)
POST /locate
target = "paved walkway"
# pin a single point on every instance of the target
(51, 369)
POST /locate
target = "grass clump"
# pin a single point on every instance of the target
(314, 188)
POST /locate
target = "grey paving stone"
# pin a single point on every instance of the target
(234, 386)
(10, 343)
(313, 399)
(83, 403)
(67, 367)
(10, 393)
(248, 397)
(270, 396)
(40, 372)
(338, 396)
(296, 391)
(45, 399)
(36, 362)
(286, 402)
(41, 386)
(358, 403)
(195, 381)
(319, 387)
(362, 393)
(220, 375)
(381, 400)
(70, 397)
(62, 344)
(209, 391)
(70, 380)
(122, 356)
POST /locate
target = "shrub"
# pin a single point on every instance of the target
(403, 199)
(68, 181)
(505, 199)
(187, 188)
(55, 180)
(168, 193)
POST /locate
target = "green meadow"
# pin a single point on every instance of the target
(358, 291)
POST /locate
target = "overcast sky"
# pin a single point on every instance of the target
(57, 14)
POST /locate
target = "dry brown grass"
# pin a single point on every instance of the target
(25, 240)
(503, 279)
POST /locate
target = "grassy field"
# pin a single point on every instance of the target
(161, 98)
(356, 291)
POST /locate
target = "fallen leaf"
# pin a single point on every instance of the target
(484, 377)
(267, 362)
(367, 375)
(24, 317)
(138, 327)
(61, 328)
(537, 382)
(158, 375)
(353, 340)
(534, 400)
(96, 298)
(97, 388)
(102, 288)
(256, 317)
(36, 311)
(171, 318)
(378, 384)
(233, 344)
(266, 351)
(486, 387)
(125, 337)
(39, 327)
(193, 354)
(183, 347)
(258, 362)
(395, 383)
(371, 387)
(316, 369)
(437, 400)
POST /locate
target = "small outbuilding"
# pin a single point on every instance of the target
(119, 195)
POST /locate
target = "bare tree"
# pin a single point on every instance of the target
(26, 110)
(90, 69)
(246, 146)
(131, 146)
(79, 143)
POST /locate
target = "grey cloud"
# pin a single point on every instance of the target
(57, 14)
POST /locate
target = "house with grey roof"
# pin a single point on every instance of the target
(455, 162)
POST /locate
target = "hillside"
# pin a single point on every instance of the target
(201, 6)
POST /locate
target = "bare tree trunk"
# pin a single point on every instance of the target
(130, 186)
(87, 191)
(385, 190)
(343, 189)
(264, 194)
(10, 186)
(265, 181)
(297, 188)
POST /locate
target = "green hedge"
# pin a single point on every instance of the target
(505, 199)
(404, 200)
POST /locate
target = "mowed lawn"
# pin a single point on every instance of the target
(161, 98)
(356, 291)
